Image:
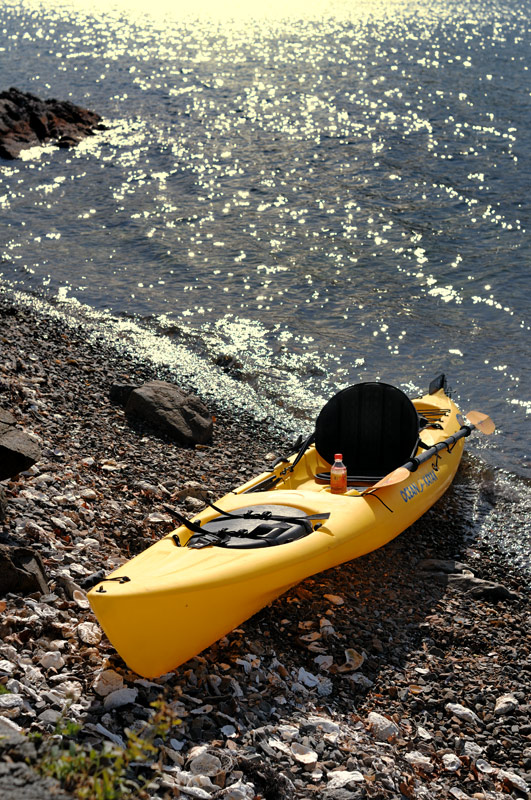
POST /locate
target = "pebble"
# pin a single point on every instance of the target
(451, 762)
(338, 780)
(108, 681)
(120, 697)
(205, 764)
(11, 704)
(382, 728)
(8, 727)
(461, 712)
(472, 750)
(89, 632)
(80, 597)
(506, 704)
(304, 755)
(513, 780)
(52, 660)
(420, 761)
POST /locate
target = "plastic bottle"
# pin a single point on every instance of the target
(338, 475)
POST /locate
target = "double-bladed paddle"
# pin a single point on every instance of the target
(476, 421)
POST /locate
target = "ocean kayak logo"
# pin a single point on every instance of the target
(418, 487)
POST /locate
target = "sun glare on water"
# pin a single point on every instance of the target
(234, 10)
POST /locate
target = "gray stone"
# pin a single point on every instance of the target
(7, 421)
(21, 571)
(121, 697)
(18, 451)
(382, 728)
(505, 704)
(183, 417)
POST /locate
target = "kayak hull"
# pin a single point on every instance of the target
(170, 602)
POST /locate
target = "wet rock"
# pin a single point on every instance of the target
(18, 451)
(183, 417)
(456, 574)
(21, 571)
(447, 566)
(27, 121)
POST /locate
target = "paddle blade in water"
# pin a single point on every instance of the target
(481, 421)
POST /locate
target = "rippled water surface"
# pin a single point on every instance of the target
(307, 199)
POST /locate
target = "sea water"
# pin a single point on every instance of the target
(289, 198)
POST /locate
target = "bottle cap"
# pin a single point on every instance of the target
(338, 457)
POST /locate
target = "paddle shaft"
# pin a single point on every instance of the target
(415, 463)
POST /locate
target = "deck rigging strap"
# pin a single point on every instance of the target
(271, 481)
(304, 446)
(223, 536)
(119, 579)
(268, 515)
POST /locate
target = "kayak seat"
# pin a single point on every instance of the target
(374, 425)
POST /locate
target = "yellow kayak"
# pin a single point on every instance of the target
(218, 569)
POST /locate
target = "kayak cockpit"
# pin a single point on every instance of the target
(375, 427)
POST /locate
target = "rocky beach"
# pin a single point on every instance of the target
(404, 674)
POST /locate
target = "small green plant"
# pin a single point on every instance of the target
(104, 773)
(4, 689)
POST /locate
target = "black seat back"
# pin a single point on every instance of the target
(374, 425)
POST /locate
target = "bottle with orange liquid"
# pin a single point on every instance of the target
(338, 475)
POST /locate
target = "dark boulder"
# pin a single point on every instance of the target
(27, 121)
(457, 575)
(18, 451)
(181, 416)
(21, 571)
(119, 392)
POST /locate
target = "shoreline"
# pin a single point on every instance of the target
(280, 723)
